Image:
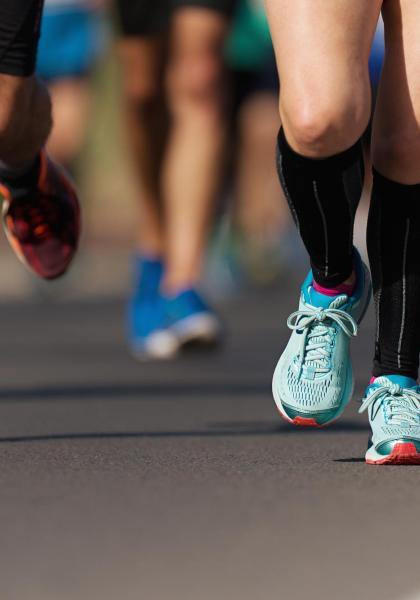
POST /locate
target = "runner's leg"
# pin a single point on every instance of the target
(322, 49)
(394, 222)
(392, 399)
(194, 157)
(142, 50)
(142, 59)
(40, 206)
(25, 109)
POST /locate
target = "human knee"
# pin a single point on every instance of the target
(141, 92)
(321, 128)
(25, 111)
(195, 83)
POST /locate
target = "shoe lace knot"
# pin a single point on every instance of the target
(318, 328)
(401, 406)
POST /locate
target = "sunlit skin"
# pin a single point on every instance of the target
(71, 100)
(180, 178)
(396, 131)
(322, 49)
(142, 64)
(259, 213)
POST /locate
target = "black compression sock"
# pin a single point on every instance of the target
(323, 195)
(20, 181)
(393, 243)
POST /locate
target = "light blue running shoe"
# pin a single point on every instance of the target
(313, 381)
(191, 320)
(393, 405)
(148, 335)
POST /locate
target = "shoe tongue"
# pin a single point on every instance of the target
(404, 382)
(323, 301)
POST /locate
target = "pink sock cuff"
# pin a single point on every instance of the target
(343, 288)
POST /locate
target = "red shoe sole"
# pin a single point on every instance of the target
(302, 421)
(402, 454)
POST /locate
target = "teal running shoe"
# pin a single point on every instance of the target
(313, 381)
(393, 405)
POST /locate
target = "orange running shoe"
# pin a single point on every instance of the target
(43, 226)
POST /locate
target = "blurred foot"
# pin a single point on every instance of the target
(393, 404)
(43, 224)
(191, 319)
(147, 324)
(313, 380)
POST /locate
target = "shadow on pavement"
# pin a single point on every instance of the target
(349, 460)
(142, 391)
(212, 430)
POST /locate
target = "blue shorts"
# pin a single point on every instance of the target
(72, 41)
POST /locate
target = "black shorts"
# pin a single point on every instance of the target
(20, 22)
(147, 17)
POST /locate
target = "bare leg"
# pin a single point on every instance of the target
(322, 49)
(193, 161)
(71, 99)
(142, 62)
(260, 214)
(325, 105)
(396, 131)
(25, 119)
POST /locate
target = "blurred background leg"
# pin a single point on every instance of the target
(142, 60)
(194, 159)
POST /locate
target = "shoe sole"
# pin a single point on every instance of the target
(310, 421)
(402, 454)
(202, 329)
(159, 346)
(198, 330)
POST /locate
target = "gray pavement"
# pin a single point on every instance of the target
(178, 481)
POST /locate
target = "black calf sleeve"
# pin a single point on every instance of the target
(393, 243)
(323, 195)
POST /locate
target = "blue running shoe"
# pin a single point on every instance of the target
(147, 331)
(313, 381)
(191, 319)
(393, 405)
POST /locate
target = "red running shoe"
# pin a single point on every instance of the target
(43, 227)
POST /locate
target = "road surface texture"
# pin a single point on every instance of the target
(128, 481)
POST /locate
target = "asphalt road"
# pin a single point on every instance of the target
(127, 481)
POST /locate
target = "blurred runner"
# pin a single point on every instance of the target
(72, 41)
(40, 206)
(325, 107)
(261, 219)
(172, 60)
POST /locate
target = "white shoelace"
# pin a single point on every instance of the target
(402, 405)
(317, 336)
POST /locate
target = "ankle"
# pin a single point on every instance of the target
(347, 287)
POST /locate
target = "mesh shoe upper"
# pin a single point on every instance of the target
(313, 370)
(393, 406)
(314, 378)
